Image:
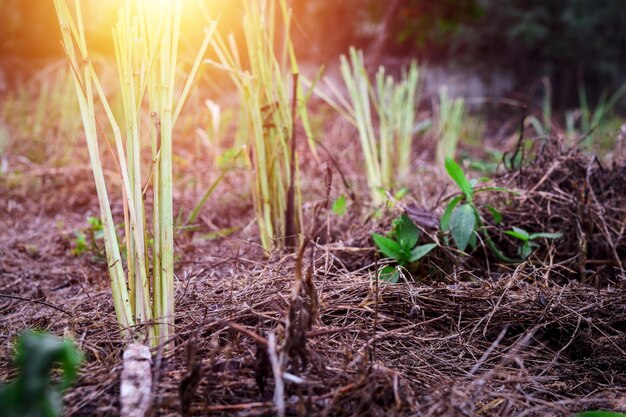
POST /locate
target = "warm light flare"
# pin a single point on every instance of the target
(101, 16)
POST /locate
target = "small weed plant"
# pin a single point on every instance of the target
(528, 240)
(89, 239)
(401, 246)
(33, 393)
(463, 221)
(461, 218)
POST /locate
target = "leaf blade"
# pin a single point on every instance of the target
(388, 247)
(456, 173)
(419, 252)
(462, 225)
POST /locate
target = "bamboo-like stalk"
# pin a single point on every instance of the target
(386, 150)
(269, 89)
(84, 90)
(448, 125)
(145, 40)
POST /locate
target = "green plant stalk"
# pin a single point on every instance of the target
(386, 150)
(84, 92)
(357, 84)
(266, 91)
(449, 124)
(146, 45)
(395, 105)
(129, 70)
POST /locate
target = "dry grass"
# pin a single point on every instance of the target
(529, 340)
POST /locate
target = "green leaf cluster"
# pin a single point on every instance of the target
(90, 239)
(401, 246)
(463, 221)
(461, 217)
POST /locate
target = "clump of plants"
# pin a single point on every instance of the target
(35, 392)
(146, 39)
(272, 100)
(387, 147)
(464, 223)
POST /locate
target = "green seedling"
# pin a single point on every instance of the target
(401, 246)
(340, 206)
(599, 413)
(461, 217)
(33, 393)
(80, 243)
(528, 240)
(90, 239)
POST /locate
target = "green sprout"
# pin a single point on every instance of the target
(340, 206)
(462, 218)
(401, 246)
(527, 240)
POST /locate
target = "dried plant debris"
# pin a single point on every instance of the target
(567, 191)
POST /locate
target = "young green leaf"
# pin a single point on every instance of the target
(599, 413)
(525, 250)
(444, 223)
(462, 225)
(405, 232)
(340, 206)
(419, 252)
(518, 233)
(401, 193)
(474, 182)
(493, 189)
(497, 216)
(388, 247)
(457, 174)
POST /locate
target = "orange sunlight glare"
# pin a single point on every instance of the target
(101, 16)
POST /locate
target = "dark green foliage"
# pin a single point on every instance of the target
(567, 40)
(33, 393)
(563, 39)
(599, 413)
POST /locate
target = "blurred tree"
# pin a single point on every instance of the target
(567, 40)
